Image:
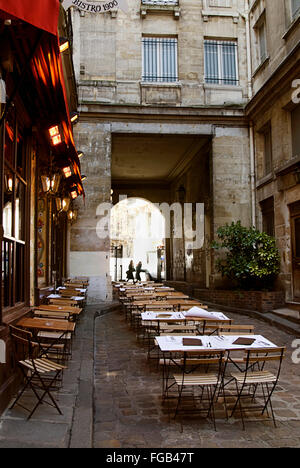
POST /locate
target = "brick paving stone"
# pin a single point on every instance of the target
(143, 421)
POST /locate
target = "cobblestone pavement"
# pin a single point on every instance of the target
(112, 398)
(129, 412)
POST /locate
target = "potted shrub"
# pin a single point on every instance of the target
(251, 258)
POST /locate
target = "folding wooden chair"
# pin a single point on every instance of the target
(255, 375)
(200, 382)
(235, 329)
(39, 374)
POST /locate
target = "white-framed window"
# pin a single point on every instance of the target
(160, 63)
(295, 8)
(219, 3)
(262, 41)
(221, 62)
(160, 2)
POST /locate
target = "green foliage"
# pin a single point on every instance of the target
(251, 260)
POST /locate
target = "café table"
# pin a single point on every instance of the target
(174, 350)
(65, 308)
(59, 330)
(63, 326)
(81, 290)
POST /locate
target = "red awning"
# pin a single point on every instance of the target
(46, 67)
(40, 13)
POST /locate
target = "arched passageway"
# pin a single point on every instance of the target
(137, 233)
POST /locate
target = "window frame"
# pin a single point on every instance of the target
(294, 14)
(14, 248)
(159, 43)
(220, 60)
(257, 28)
(268, 216)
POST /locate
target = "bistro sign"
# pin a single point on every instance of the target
(96, 7)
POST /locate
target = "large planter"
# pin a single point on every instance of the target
(261, 301)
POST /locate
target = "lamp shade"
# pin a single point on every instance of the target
(9, 182)
(58, 203)
(46, 183)
(55, 181)
(65, 203)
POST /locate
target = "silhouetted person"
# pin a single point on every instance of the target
(130, 271)
(138, 271)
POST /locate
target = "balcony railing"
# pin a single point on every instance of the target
(160, 2)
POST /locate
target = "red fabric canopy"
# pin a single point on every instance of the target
(40, 13)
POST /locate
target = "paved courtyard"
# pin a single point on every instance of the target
(128, 403)
(111, 398)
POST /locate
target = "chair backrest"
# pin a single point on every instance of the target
(259, 357)
(64, 301)
(52, 314)
(69, 293)
(23, 345)
(235, 329)
(209, 357)
(159, 307)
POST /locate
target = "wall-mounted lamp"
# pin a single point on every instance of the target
(80, 154)
(72, 215)
(83, 177)
(74, 194)
(74, 117)
(63, 44)
(9, 183)
(50, 184)
(58, 203)
(67, 171)
(56, 135)
(65, 203)
(62, 204)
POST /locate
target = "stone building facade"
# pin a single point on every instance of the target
(274, 119)
(162, 95)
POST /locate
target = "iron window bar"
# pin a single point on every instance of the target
(160, 60)
(160, 2)
(221, 62)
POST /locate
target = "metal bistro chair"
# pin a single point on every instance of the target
(200, 382)
(39, 373)
(255, 375)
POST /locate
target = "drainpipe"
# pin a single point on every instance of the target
(245, 15)
(252, 174)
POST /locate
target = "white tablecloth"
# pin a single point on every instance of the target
(159, 316)
(174, 343)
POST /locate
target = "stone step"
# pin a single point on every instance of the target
(288, 314)
(282, 323)
(293, 305)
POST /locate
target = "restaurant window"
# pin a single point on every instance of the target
(221, 62)
(267, 211)
(160, 59)
(14, 212)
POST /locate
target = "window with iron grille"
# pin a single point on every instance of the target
(160, 2)
(221, 63)
(295, 8)
(160, 59)
(219, 3)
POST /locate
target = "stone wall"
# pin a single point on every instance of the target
(249, 300)
(89, 244)
(108, 54)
